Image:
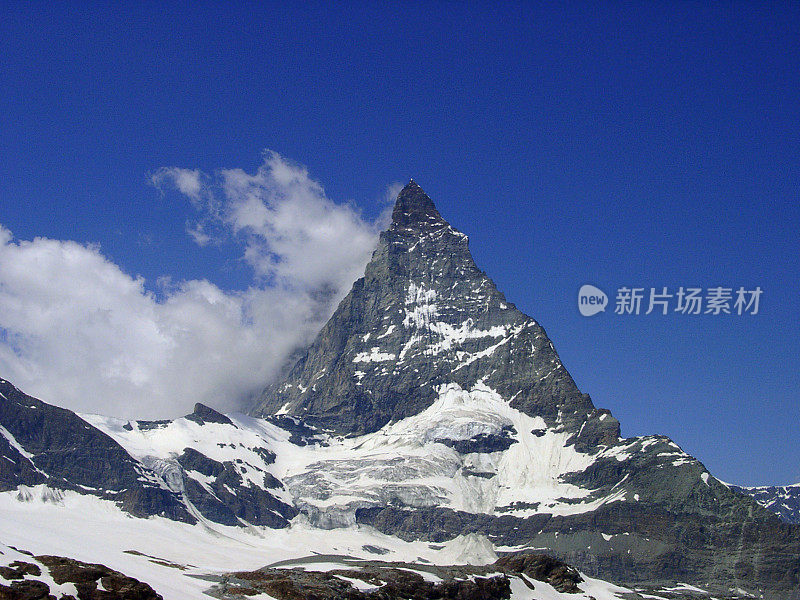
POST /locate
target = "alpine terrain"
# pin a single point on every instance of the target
(783, 500)
(428, 444)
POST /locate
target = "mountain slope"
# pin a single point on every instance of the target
(423, 316)
(146, 467)
(45, 444)
(783, 500)
(451, 413)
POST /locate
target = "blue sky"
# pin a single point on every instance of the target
(623, 144)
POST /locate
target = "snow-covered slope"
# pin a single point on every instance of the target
(181, 561)
(783, 500)
(210, 459)
(469, 451)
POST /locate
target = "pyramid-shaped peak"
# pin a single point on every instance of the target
(203, 414)
(414, 207)
(423, 316)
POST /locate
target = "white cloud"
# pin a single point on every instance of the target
(187, 181)
(197, 233)
(392, 191)
(78, 331)
(290, 225)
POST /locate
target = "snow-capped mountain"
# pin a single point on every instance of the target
(69, 541)
(62, 538)
(430, 422)
(455, 415)
(783, 500)
(422, 317)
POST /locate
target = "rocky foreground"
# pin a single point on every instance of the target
(526, 576)
(29, 577)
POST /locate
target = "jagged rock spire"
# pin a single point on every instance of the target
(414, 207)
(422, 317)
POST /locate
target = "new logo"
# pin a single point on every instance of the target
(591, 300)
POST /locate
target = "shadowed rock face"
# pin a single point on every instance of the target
(425, 315)
(54, 446)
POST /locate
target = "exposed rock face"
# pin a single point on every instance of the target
(203, 414)
(517, 576)
(28, 580)
(366, 580)
(230, 499)
(45, 444)
(425, 315)
(389, 583)
(86, 578)
(783, 500)
(426, 353)
(543, 568)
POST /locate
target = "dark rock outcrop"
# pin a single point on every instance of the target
(28, 589)
(483, 443)
(302, 434)
(231, 502)
(91, 581)
(54, 446)
(86, 576)
(203, 414)
(542, 567)
(389, 581)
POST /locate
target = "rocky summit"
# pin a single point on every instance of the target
(426, 353)
(424, 316)
(430, 423)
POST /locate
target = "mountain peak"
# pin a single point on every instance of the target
(414, 207)
(203, 414)
(425, 316)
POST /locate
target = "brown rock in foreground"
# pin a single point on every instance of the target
(91, 581)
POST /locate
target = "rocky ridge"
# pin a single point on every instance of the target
(783, 500)
(46, 450)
